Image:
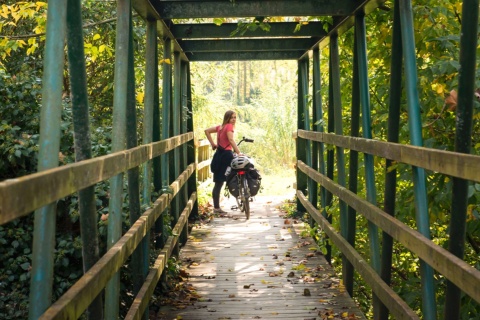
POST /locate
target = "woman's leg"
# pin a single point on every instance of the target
(216, 194)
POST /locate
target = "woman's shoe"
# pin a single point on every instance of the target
(221, 212)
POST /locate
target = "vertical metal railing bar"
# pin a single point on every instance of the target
(174, 155)
(112, 292)
(306, 124)
(151, 71)
(138, 256)
(156, 162)
(463, 138)
(301, 114)
(41, 280)
(337, 109)
(83, 146)
(393, 130)
(330, 155)
(361, 37)
(353, 165)
(317, 117)
(183, 149)
(192, 182)
(415, 127)
(165, 126)
(148, 111)
(318, 126)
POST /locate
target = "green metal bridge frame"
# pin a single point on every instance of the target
(169, 153)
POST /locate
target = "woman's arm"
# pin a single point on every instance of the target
(232, 142)
(208, 133)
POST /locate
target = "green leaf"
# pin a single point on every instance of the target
(25, 266)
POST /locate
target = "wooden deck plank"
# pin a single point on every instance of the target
(258, 269)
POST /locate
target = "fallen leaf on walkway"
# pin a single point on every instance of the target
(306, 292)
(231, 296)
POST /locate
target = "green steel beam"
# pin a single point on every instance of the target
(176, 125)
(192, 182)
(361, 41)
(338, 121)
(41, 280)
(242, 56)
(151, 67)
(277, 29)
(361, 52)
(463, 138)
(393, 131)
(244, 45)
(151, 70)
(330, 154)
(83, 146)
(112, 292)
(252, 8)
(306, 123)
(183, 149)
(140, 256)
(317, 117)
(415, 127)
(353, 166)
(302, 114)
(166, 107)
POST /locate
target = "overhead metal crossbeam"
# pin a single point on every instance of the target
(209, 42)
(245, 56)
(250, 45)
(225, 30)
(180, 9)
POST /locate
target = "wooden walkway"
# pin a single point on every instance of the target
(258, 269)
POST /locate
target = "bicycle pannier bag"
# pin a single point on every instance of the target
(232, 184)
(254, 181)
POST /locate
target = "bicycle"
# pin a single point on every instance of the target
(240, 189)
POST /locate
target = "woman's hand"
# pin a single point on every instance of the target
(214, 146)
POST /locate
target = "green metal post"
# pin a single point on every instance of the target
(306, 124)
(176, 108)
(463, 138)
(330, 153)
(192, 182)
(361, 44)
(415, 127)
(318, 149)
(44, 226)
(151, 69)
(112, 292)
(166, 107)
(83, 146)
(139, 256)
(353, 166)
(393, 126)
(148, 111)
(361, 41)
(156, 162)
(337, 109)
(183, 149)
(301, 115)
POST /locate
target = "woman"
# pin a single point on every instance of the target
(223, 154)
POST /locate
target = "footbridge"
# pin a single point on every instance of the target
(338, 190)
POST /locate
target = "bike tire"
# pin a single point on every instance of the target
(246, 198)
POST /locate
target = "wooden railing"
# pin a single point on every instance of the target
(460, 165)
(204, 156)
(19, 197)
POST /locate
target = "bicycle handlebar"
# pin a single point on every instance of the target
(246, 140)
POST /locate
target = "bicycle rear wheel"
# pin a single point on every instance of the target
(245, 197)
